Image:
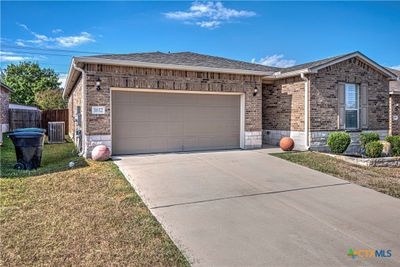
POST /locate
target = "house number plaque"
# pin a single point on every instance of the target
(98, 110)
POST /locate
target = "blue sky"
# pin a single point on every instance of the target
(272, 33)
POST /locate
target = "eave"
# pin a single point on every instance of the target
(73, 74)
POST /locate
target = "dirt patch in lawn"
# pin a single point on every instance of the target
(382, 179)
(88, 216)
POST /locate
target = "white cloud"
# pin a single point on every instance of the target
(38, 36)
(24, 26)
(208, 24)
(20, 42)
(70, 41)
(208, 15)
(397, 67)
(55, 31)
(11, 57)
(61, 41)
(62, 78)
(275, 61)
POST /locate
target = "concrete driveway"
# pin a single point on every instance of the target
(247, 208)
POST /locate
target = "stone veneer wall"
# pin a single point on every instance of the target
(319, 140)
(394, 112)
(98, 127)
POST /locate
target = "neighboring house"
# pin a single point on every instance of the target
(5, 92)
(24, 107)
(163, 102)
(394, 105)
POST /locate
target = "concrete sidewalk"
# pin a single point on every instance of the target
(247, 208)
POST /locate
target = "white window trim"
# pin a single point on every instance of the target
(357, 108)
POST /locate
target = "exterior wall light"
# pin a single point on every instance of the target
(98, 84)
(255, 91)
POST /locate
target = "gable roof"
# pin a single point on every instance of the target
(3, 85)
(314, 66)
(397, 72)
(187, 59)
(198, 62)
(313, 63)
(394, 86)
(177, 61)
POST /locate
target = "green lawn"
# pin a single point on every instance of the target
(382, 179)
(86, 216)
(55, 158)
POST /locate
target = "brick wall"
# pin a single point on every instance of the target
(147, 78)
(394, 110)
(74, 100)
(4, 101)
(324, 101)
(283, 105)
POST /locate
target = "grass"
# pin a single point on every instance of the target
(382, 179)
(55, 158)
(86, 216)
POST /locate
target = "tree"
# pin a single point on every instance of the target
(27, 79)
(50, 99)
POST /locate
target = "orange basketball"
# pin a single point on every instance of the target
(286, 144)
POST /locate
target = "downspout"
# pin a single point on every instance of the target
(83, 109)
(306, 110)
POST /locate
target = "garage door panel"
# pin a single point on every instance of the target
(121, 98)
(157, 113)
(175, 144)
(140, 145)
(162, 122)
(175, 113)
(175, 129)
(133, 129)
(127, 112)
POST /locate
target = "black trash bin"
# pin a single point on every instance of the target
(34, 130)
(28, 148)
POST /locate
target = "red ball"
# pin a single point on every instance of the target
(286, 144)
(101, 152)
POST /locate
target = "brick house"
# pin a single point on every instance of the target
(164, 102)
(394, 105)
(5, 92)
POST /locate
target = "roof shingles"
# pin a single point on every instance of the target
(314, 63)
(189, 59)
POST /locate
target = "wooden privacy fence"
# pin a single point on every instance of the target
(55, 115)
(22, 118)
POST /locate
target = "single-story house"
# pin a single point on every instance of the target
(394, 104)
(5, 92)
(165, 102)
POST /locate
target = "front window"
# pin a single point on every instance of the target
(352, 111)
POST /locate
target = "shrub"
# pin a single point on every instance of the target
(338, 142)
(395, 143)
(373, 149)
(365, 138)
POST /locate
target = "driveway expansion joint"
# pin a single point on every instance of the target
(248, 195)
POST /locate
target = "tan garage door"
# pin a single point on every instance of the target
(145, 122)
